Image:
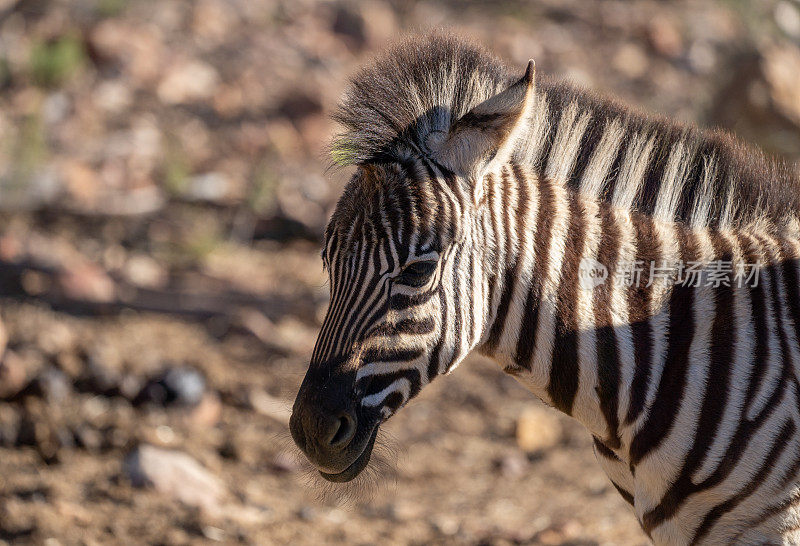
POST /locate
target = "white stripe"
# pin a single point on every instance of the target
(548, 303)
(632, 171)
(660, 291)
(671, 186)
(567, 143)
(401, 384)
(588, 382)
(662, 465)
(704, 199)
(538, 123)
(741, 371)
(522, 284)
(620, 318)
(602, 158)
(773, 367)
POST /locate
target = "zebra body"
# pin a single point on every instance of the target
(675, 384)
(476, 208)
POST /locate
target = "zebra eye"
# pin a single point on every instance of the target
(417, 274)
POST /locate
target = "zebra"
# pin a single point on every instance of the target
(501, 214)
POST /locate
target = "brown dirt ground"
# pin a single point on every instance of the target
(452, 471)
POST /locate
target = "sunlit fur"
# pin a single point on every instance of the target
(691, 393)
(399, 338)
(378, 476)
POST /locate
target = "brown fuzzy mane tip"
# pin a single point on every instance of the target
(421, 84)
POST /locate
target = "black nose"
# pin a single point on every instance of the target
(314, 430)
(324, 422)
(325, 437)
(341, 430)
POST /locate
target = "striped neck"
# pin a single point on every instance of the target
(597, 352)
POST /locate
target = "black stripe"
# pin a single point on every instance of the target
(404, 301)
(715, 398)
(513, 274)
(553, 116)
(770, 512)
(541, 248)
(341, 290)
(565, 366)
(787, 430)
(639, 301)
(626, 496)
(761, 323)
(335, 274)
(390, 355)
(470, 310)
(376, 313)
(348, 286)
(408, 213)
(791, 278)
(589, 140)
(373, 304)
(376, 383)
(413, 326)
(493, 273)
(602, 449)
(389, 211)
(433, 363)
(653, 178)
(346, 322)
(693, 184)
(774, 273)
(746, 428)
(441, 215)
(458, 323)
(510, 277)
(608, 364)
(672, 384)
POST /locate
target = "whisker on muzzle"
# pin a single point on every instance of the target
(379, 475)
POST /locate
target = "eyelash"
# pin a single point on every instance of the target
(416, 274)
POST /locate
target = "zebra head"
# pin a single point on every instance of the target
(406, 253)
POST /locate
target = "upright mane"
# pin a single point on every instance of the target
(640, 162)
(422, 84)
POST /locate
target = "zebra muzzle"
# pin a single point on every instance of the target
(334, 432)
(357, 466)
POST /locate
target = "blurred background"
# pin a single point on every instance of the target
(162, 198)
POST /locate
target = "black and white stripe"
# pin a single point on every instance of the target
(691, 393)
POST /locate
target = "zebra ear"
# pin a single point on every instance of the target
(488, 132)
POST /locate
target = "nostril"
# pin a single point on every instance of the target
(345, 427)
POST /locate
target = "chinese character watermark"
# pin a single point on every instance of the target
(691, 274)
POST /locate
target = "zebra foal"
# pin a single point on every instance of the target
(639, 275)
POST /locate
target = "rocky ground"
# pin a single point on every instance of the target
(162, 195)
